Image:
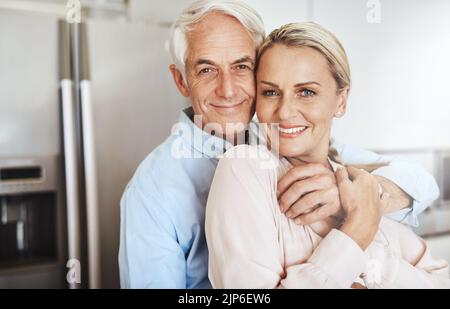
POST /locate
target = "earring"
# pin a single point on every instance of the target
(338, 114)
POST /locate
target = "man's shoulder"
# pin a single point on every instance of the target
(166, 178)
(157, 166)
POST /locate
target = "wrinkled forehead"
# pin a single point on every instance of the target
(220, 39)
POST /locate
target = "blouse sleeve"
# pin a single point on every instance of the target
(408, 262)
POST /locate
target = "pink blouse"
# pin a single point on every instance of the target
(252, 244)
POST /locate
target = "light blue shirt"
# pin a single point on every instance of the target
(162, 240)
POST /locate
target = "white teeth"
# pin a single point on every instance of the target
(293, 130)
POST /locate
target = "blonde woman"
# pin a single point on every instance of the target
(303, 82)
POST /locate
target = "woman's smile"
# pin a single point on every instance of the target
(291, 131)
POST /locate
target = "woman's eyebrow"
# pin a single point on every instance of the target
(295, 86)
(269, 83)
(306, 83)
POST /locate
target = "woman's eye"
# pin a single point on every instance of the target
(307, 93)
(270, 93)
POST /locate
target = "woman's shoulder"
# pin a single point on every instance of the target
(251, 157)
(247, 151)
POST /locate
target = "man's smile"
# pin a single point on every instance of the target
(227, 109)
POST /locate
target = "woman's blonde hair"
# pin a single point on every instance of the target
(309, 34)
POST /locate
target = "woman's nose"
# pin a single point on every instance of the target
(287, 109)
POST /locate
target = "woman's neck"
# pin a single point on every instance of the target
(319, 156)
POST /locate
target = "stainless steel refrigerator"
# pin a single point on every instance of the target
(80, 106)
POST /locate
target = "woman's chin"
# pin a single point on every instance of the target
(291, 151)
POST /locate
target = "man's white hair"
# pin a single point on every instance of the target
(245, 14)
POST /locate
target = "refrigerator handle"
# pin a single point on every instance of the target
(71, 167)
(91, 186)
(92, 207)
(70, 149)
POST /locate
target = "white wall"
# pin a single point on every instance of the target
(278, 13)
(156, 11)
(274, 13)
(400, 72)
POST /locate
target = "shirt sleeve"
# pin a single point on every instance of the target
(407, 261)
(406, 174)
(244, 237)
(149, 254)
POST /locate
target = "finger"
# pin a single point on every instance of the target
(319, 214)
(298, 173)
(311, 200)
(303, 187)
(342, 177)
(356, 173)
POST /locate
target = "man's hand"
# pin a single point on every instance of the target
(394, 198)
(308, 194)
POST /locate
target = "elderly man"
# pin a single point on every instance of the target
(162, 244)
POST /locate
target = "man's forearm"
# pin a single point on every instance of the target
(394, 198)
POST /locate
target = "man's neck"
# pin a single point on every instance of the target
(234, 138)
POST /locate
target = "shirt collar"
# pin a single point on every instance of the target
(207, 145)
(288, 165)
(334, 165)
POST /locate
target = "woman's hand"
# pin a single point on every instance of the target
(360, 199)
(308, 194)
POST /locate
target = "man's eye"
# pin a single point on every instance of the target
(206, 71)
(243, 67)
(270, 93)
(307, 93)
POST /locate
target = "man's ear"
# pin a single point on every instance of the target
(343, 98)
(179, 81)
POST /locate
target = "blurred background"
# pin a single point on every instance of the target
(81, 105)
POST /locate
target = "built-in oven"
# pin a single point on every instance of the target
(31, 223)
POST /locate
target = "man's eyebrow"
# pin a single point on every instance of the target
(204, 61)
(245, 59)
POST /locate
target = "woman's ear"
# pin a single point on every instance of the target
(342, 106)
(179, 81)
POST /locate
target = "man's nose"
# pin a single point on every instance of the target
(226, 88)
